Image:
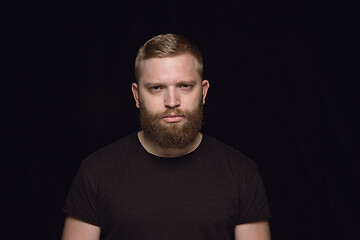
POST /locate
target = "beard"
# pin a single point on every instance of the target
(175, 135)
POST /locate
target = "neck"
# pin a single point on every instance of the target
(152, 148)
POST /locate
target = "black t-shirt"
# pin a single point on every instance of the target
(132, 194)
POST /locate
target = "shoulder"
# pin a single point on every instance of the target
(112, 153)
(215, 147)
(236, 159)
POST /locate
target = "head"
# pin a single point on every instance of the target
(169, 91)
(167, 45)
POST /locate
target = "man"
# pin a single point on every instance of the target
(168, 181)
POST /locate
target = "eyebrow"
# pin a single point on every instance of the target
(151, 84)
(189, 82)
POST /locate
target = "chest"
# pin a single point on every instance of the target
(149, 199)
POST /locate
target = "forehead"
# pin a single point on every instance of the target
(181, 67)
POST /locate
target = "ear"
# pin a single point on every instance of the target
(205, 88)
(135, 91)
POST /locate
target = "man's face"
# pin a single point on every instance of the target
(170, 95)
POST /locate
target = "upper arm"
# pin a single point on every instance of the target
(258, 230)
(75, 229)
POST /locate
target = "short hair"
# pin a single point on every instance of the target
(167, 45)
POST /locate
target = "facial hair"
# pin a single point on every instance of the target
(175, 135)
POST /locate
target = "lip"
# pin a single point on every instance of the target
(173, 118)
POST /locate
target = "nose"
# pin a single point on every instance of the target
(172, 99)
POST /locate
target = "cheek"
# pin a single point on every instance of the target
(191, 103)
(151, 104)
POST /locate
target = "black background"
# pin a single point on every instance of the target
(284, 89)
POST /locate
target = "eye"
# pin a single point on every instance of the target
(186, 86)
(155, 88)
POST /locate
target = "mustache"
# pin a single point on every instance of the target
(174, 111)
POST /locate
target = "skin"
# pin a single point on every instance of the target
(75, 229)
(258, 230)
(167, 83)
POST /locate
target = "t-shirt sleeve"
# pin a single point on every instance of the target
(81, 202)
(253, 204)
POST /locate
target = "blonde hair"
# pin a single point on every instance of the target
(167, 45)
